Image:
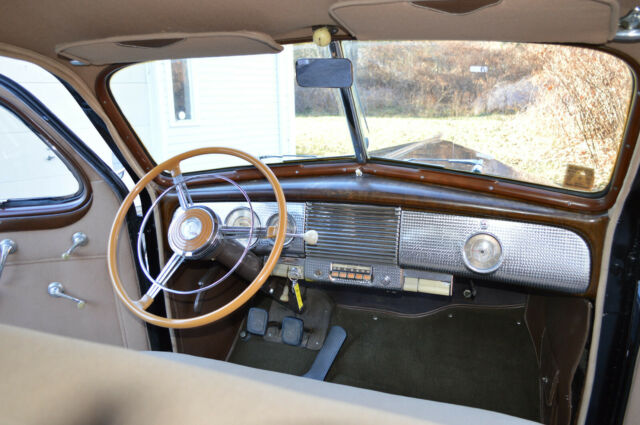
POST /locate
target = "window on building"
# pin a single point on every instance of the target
(181, 90)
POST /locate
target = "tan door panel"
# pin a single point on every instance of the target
(24, 300)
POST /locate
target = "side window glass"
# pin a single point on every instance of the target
(29, 167)
(52, 93)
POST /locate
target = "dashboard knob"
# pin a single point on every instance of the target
(310, 237)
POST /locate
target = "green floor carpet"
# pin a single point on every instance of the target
(478, 357)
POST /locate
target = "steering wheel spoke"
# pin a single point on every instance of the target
(165, 274)
(184, 197)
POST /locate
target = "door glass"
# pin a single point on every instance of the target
(29, 167)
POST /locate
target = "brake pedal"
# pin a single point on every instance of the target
(257, 321)
(292, 331)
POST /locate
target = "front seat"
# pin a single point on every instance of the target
(57, 380)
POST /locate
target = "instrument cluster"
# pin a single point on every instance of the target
(265, 214)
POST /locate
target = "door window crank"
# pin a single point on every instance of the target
(7, 247)
(55, 289)
(79, 239)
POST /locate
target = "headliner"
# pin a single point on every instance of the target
(41, 25)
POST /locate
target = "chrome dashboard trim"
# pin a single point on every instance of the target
(534, 255)
(360, 234)
(396, 242)
(264, 210)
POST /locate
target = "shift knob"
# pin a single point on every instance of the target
(310, 237)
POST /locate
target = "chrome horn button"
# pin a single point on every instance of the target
(194, 232)
(191, 228)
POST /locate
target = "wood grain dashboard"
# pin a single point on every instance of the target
(373, 190)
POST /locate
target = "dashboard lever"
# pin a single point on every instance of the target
(310, 236)
(234, 232)
(197, 304)
(205, 280)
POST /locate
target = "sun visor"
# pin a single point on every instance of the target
(140, 48)
(579, 21)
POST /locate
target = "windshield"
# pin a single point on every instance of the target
(247, 102)
(546, 114)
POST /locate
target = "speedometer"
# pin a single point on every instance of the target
(482, 253)
(241, 217)
(291, 226)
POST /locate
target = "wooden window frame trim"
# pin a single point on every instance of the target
(557, 198)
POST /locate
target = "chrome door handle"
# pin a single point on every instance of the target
(7, 247)
(55, 289)
(79, 239)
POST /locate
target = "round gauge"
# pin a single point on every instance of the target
(291, 227)
(241, 217)
(482, 253)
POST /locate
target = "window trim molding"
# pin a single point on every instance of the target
(42, 213)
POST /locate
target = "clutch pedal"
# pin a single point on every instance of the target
(257, 321)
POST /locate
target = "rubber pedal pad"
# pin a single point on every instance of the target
(292, 331)
(257, 321)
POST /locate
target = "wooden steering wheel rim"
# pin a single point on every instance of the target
(174, 164)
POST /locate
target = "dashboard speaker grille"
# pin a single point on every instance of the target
(354, 233)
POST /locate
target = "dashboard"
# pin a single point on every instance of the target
(416, 251)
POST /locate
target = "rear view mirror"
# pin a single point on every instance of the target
(328, 73)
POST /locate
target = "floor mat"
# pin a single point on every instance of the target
(480, 357)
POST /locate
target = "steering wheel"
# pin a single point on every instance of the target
(195, 233)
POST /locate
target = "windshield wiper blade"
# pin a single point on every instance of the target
(476, 164)
(287, 156)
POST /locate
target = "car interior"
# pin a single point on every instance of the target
(380, 211)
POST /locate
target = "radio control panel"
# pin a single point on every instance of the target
(351, 272)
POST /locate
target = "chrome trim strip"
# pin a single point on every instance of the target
(264, 210)
(535, 255)
(359, 234)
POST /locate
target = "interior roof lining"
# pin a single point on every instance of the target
(35, 26)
